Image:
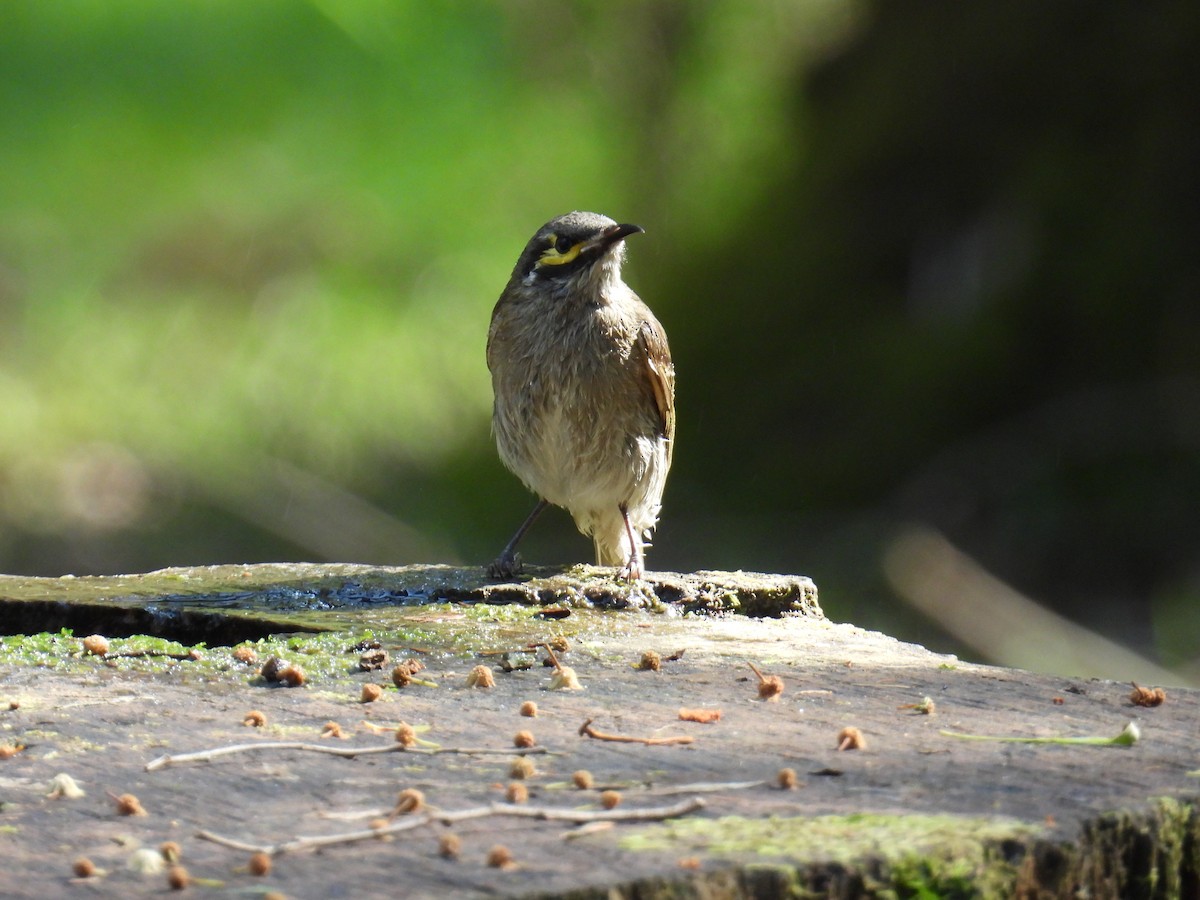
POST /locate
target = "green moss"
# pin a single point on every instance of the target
(908, 856)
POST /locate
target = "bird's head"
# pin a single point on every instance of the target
(573, 248)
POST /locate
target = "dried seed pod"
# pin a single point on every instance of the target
(583, 780)
(178, 878)
(610, 799)
(786, 779)
(565, 679)
(83, 867)
(850, 738)
(522, 767)
(254, 719)
(128, 805)
(499, 857)
(170, 851)
(481, 677)
(244, 655)
(95, 645)
(259, 865)
(333, 730)
(449, 846)
(410, 800)
(524, 739)
(406, 735)
(371, 693)
(559, 644)
(293, 676)
(516, 793)
(529, 709)
(1147, 696)
(401, 676)
(650, 661)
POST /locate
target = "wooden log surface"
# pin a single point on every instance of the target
(914, 808)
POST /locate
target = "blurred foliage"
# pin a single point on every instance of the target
(928, 264)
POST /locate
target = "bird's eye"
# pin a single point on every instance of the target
(562, 244)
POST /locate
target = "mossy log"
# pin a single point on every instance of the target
(913, 811)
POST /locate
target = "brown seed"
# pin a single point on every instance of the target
(481, 677)
(529, 709)
(8, 751)
(610, 799)
(333, 730)
(522, 767)
(406, 735)
(195, 654)
(850, 738)
(83, 867)
(516, 793)
(787, 779)
(170, 851)
(524, 739)
(254, 719)
(499, 857)
(449, 846)
(178, 878)
(401, 677)
(371, 693)
(14, 704)
(95, 645)
(650, 662)
(260, 864)
(410, 800)
(583, 780)
(129, 805)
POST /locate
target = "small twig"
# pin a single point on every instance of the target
(492, 809)
(587, 730)
(203, 755)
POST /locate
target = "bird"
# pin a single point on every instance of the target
(584, 390)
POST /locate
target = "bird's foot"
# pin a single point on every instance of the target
(505, 566)
(631, 571)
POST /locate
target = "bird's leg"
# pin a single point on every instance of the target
(633, 568)
(508, 563)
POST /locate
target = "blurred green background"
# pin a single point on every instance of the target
(932, 265)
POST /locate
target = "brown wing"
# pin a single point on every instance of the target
(660, 377)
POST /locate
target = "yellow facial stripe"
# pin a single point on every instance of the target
(551, 257)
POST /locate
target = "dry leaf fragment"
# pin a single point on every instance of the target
(704, 716)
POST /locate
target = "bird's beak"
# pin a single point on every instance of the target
(611, 235)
